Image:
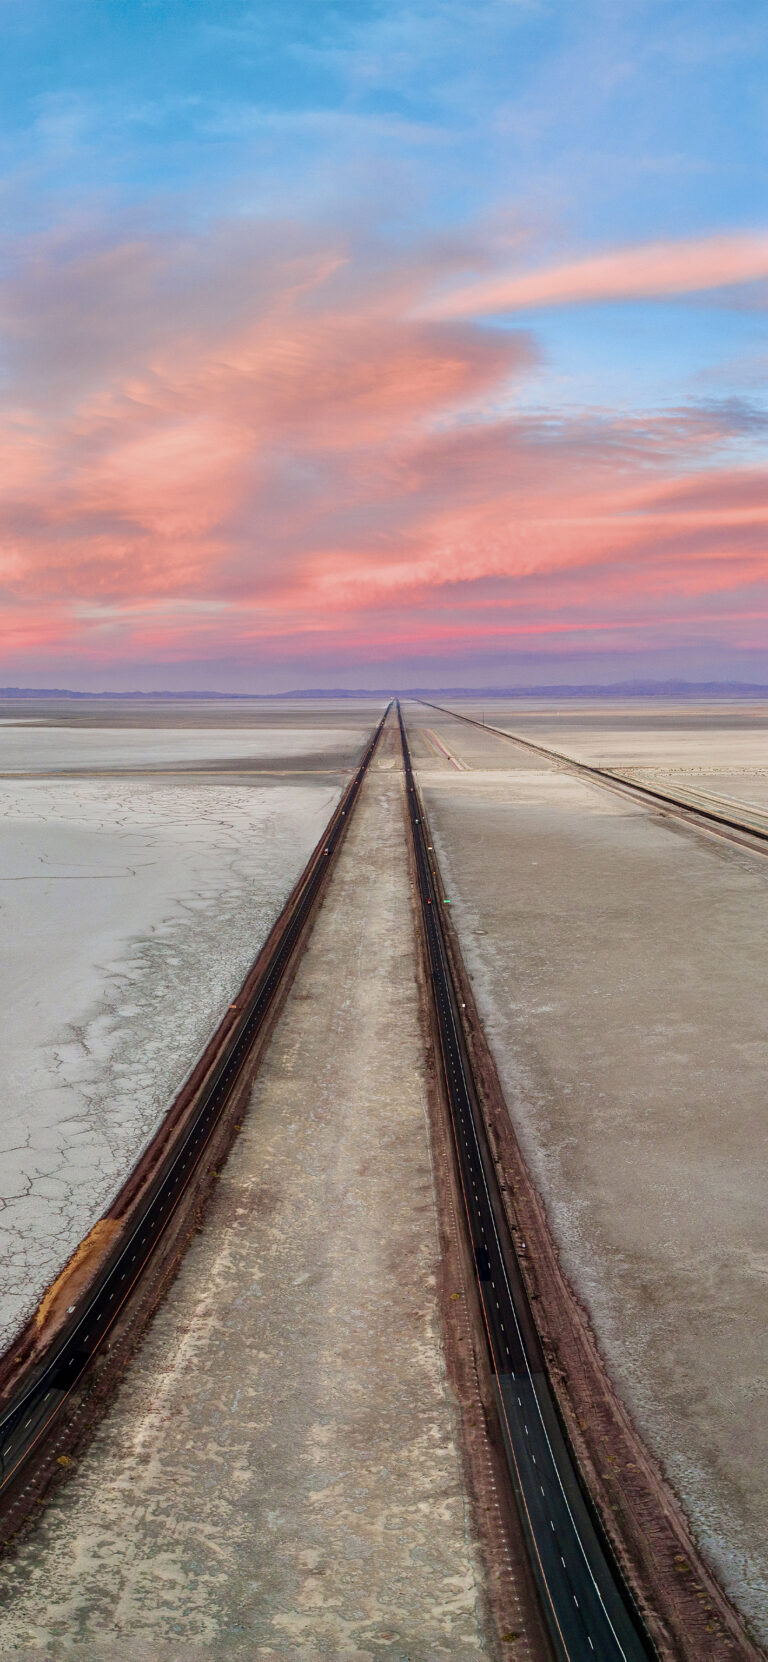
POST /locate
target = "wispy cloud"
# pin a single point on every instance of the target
(650, 271)
(273, 448)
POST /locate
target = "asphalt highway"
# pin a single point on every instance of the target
(588, 1610)
(35, 1409)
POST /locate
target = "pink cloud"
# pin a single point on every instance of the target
(271, 454)
(648, 271)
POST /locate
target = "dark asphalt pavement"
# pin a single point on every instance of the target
(588, 1610)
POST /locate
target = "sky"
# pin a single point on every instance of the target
(368, 344)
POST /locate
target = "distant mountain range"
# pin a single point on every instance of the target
(615, 689)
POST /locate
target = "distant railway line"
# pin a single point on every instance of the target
(699, 809)
(588, 1609)
(43, 1384)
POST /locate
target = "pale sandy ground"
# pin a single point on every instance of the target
(198, 713)
(621, 968)
(31, 749)
(280, 1476)
(719, 748)
(130, 910)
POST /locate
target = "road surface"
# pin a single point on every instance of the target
(587, 1607)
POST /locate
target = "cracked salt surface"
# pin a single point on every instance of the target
(129, 914)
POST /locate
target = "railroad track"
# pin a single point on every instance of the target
(587, 1607)
(44, 1385)
(738, 828)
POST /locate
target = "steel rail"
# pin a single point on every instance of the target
(740, 831)
(588, 1608)
(37, 1403)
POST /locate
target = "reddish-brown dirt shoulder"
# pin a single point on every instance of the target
(686, 1611)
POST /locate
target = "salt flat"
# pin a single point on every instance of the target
(620, 965)
(280, 1474)
(717, 748)
(130, 909)
(32, 749)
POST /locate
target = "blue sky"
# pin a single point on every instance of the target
(164, 162)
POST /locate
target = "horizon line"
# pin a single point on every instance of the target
(637, 688)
